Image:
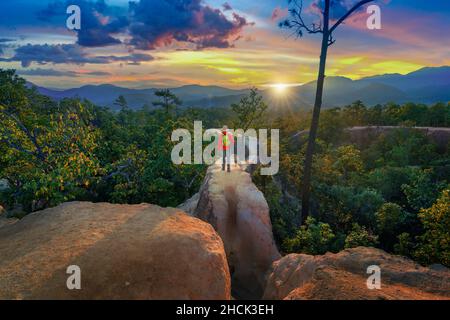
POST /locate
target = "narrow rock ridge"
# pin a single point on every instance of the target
(238, 211)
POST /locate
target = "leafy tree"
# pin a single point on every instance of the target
(359, 236)
(355, 114)
(404, 246)
(416, 114)
(434, 244)
(340, 206)
(331, 125)
(422, 190)
(126, 174)
(50, 148)
(312, 238)
(388, 182)
(348, 161)
(168, 101)
(439, 115)
(390, 218)
(54, 152)
(400, 148)
(249, 110)
(121, 102)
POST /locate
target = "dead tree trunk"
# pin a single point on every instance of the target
(307, 169)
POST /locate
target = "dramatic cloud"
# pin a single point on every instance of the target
(57, 73)
(100, 22)
(151, 24)
(68, 53)
(160, 23)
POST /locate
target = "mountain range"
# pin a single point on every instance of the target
(426, 85)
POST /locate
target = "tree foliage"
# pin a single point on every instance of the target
(435, 241)
(367, 193)
(53, 152)
(249, 110)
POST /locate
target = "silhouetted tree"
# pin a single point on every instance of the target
(168, 100)
(297, 23)
(121, 102)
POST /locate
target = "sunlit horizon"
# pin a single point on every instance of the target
(252, 51)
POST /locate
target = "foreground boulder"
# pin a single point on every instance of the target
(123, 251)
(344, 276)
(235, 207)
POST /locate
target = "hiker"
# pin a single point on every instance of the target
(226, 143)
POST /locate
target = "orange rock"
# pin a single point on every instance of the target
(238, 211)
(344, 275)
(124, 252)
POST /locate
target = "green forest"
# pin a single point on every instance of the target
(391, 192)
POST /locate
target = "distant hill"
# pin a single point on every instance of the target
(427, 85)
(106, 94)
(421, 78)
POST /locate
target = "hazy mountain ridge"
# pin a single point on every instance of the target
(426, 85)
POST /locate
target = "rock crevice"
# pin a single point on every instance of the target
(238, 211)
(148, 252)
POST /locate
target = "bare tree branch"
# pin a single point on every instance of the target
(331, 40)
(345, 16)
(298, 23)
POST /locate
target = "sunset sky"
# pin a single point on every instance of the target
(232, 43)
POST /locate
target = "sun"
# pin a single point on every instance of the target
(280, 87)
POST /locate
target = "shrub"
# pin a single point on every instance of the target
(404, 246)
(434, 246)
(312, 238)
(359, 236)
(388, 217)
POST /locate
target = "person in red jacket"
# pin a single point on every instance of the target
(226, 143)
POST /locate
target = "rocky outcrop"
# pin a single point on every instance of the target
(362, 136)
(344, 276)
(123, 251)
(190, 204)
(238, 211)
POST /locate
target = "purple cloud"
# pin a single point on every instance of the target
(100, 22)
(151, 23)
(160, 23)
(57, 73)
(68, 53)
